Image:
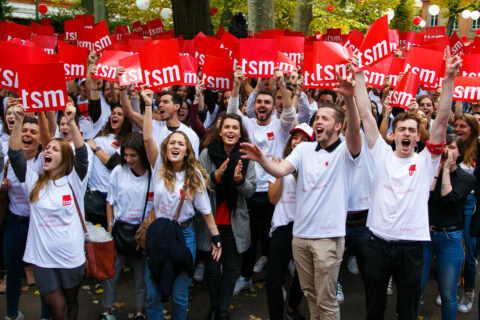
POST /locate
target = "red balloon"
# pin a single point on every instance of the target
(464, 38)
(477, 31)
(42, 9)
(417, 20)
(330, 7)
(213, 12)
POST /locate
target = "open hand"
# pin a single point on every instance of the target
(237, 176)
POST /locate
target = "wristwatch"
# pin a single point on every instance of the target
(96, 150)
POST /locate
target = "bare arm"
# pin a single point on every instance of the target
(386, 121)
(150, 145)
(253, 152)
(109, 217)
(135, 117)
(44, 130)
(275, 191)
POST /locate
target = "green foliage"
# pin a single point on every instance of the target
(61, 15)
(403, 16)
(450, 8)
(127, 11)
(5, 10)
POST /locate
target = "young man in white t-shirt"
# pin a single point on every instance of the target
(271, 135)
(398, 216)
(325, 170)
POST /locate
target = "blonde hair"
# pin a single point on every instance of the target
(196, 177)
(66, 163)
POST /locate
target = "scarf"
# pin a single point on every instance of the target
(225, 189)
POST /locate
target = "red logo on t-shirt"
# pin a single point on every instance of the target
(411, 170)
(115, 144)
(270, 136)
(326, 164)
(150, 196)
(66, 200)
(83, 109)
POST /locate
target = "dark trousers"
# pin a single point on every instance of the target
(221, 283)
(404, 261)
(356, 240)
(279, 255)
(260, 211)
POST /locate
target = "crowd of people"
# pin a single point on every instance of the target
(269, 176)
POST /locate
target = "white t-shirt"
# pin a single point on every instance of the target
(100, 175)
(55, 235)
(127, 192)
(271, 139)
(361, 190)
(88, 128)
(323, 184)
(166, 202)
(19, 203)
(285, 208)
(401, 188)
(4, 139)
(160, 132)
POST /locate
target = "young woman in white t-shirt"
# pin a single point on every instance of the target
(55, 241)
(281, 193)
(174, 164)
(106, 146)
(129, 201)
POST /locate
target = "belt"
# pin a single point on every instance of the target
(455, 227)
(185, 224)
(20, 219)
(395, 242)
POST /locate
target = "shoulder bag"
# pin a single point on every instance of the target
(4, 199)
(100, 256)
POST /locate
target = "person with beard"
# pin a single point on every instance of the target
(398, 215)
(233, 181)
(271, 135)
(325, 170)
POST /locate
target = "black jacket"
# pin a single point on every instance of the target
(167, 255)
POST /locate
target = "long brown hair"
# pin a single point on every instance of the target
(470, 145)
(196, 176)
(124, 130)
(214, 132)
(66, 164)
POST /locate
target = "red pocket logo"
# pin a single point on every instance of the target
(326, 164)
(150, 196)
(66, 200)
(270, 136)
(115, 144)
(411, 170)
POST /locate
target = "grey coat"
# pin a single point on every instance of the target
(239, 217)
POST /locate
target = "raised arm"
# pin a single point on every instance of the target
(135, 117)
(234, 101)
(253, 153)
(150, 145)
(15, 153)
(288, 115)
(439, 127)
(44, 129)
(364, 108)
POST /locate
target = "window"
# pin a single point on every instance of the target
(476, 24)
(433, 20)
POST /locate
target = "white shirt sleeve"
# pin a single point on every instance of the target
(233, 106)
(303, 109)
(113, 187)
(295, 158)
(250, 110)
(201, 202)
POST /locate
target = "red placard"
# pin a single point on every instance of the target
(397, 66)
(309, 72)
(333, 35)
(137, 28)
(410, 38)
(161, 66)
(155, 27)
(190, 70)
(85, 38)
(376, 44)
(456, 45)
(108, 63)
(74, 60)
(219, 33)
(354, 40)
(470, 65)
(284, 64)
(41, 29)
(72, 28)
(394, 38)
(133, 70)
(87, 19)
(47, 43)
(19, 31)
(230, 43)
(406, 91)
(466, 89)
(435, 32)
(102, 38)
(42, 86)
(330, 58)
(438, 44)
(208, 47)
(375, 76)
(120, 32)
(258, 57)
(425, 63)
(217, 73)
(292, 47)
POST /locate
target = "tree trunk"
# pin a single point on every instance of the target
(450, 23)
(227, 13)
(190, 17)
(303, 16)
(99, 10)
(88, 5)
(261, 15)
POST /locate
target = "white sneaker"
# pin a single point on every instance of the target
(340, 296)
(241, 284)
(199, 272)
(465, 305)
(438, 301)
(284, 294)
(291, 268)
(390, 287)
(19, 316)
(107, 316)
(352, 265)
(260, 264)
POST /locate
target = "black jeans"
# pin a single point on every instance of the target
(260, 211)
(221, 284)
(404, 261)
(279, 256)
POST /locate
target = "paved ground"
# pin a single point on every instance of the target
(250, 305)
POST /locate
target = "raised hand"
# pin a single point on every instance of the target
(19, 113)
(147, 96)
(199, 88)
(452, 64)
(238, 76)
(70, 112)
(221, 170)
(278, 77)
(237, 176)
(251, 151)
(345, 86)
(92, 58)
(449, 162)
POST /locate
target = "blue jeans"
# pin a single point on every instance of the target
(470, 246)
(448, 249)
(154, 304)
